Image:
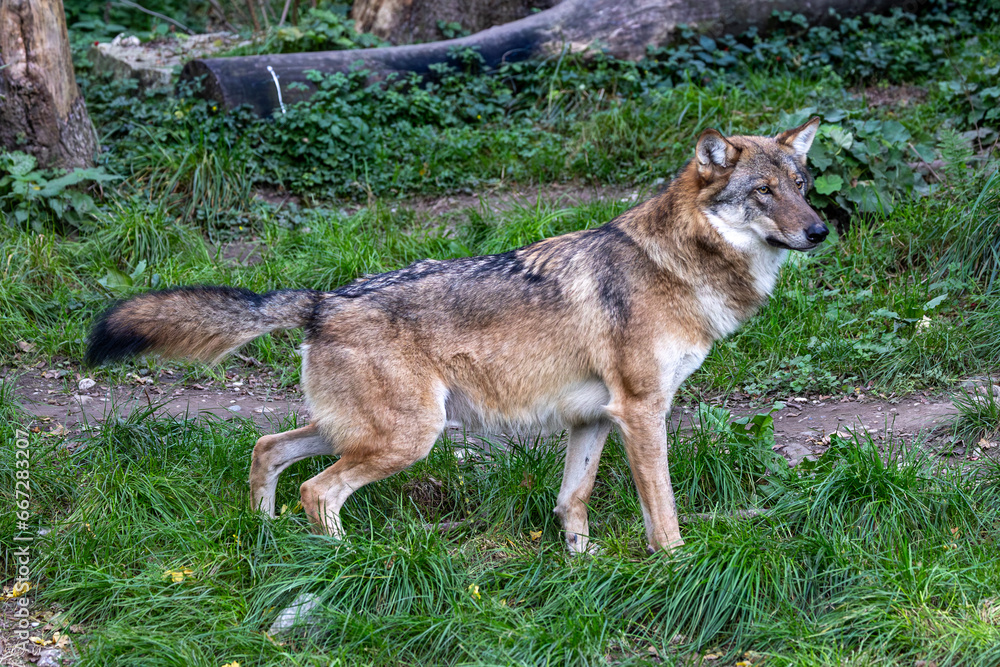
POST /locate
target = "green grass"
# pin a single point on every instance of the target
(979, 415)
(867, 556)
(875, 554)
(865, 310)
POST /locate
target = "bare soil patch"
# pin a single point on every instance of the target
(557, 194)
(62, 401)
(891, 95)
(496, 199)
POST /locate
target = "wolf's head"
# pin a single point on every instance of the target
(754, 188)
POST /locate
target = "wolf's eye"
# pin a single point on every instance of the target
(799, 183)
(764, 190)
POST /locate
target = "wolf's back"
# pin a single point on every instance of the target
(205, 323)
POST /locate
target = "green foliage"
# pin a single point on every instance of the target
(863, 164)
(94, 20)
(451, 29)
(42, 197)
(724, 461)
(596, 119)
(979, 415)
(319, 30)
(975, 238)
(874, 554)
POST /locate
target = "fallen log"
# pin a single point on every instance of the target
(622, 28)
(412, 21)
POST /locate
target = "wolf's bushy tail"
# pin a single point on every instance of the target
(205, 323)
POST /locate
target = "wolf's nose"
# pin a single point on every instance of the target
(817, 232)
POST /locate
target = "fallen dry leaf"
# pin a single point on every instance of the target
(18, 589)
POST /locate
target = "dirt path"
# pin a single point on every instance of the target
(64, 401)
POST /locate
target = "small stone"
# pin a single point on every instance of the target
(50, 657)
(295, 613)
(86, 384)
(234, 408)
(82, 399)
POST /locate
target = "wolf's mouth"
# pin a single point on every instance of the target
(771, 241)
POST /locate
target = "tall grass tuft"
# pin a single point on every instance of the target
(976, 237)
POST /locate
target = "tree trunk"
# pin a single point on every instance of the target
(622, 28)
(41, 110)
(411, 21)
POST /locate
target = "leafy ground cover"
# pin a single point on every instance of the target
(876, 553)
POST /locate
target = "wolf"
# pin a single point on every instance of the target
(583, 332)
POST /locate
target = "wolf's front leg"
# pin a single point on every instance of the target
(644, 431)
(583, 453)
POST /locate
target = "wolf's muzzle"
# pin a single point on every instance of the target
(816, 232)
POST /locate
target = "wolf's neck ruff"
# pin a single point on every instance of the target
(730, 271)
(582, 332)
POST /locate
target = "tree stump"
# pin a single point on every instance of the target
(41, 110)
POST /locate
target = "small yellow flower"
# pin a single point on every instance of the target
(535, 535)
(474, 590)
(178, 575)
(178, 114)
(232, 664)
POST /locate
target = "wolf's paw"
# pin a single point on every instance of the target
(581, 545)
(669, 548)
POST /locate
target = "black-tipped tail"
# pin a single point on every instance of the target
(204, 322)
(109, 343)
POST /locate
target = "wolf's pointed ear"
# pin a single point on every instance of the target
(714, 152)
(801, 138)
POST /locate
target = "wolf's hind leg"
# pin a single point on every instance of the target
(273, 453)
(583, 453)
(325, 494)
